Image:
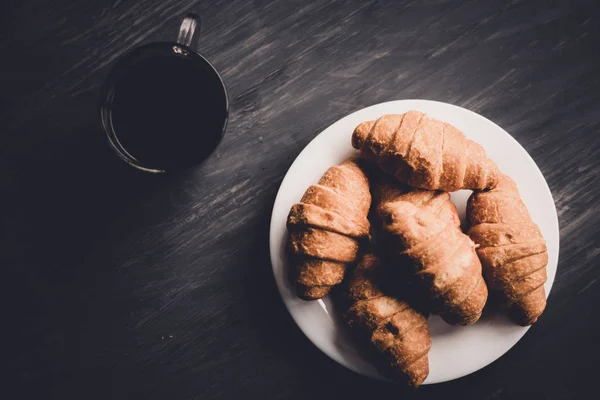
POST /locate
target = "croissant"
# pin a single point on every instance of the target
(326, 226)
(396, 330)
(511, 248)
(424, 152)
(422, 229)
(386, 190)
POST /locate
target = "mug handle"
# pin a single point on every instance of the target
(187, 31)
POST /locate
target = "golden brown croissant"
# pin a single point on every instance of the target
(386, 190)
(396, 329)
(424, 152)
(325, 228)
(421, 228)
(511, 248)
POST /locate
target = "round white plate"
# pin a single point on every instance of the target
(455, 351)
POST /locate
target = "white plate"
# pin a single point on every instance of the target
(456, 351)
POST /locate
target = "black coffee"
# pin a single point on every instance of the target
(168, 111)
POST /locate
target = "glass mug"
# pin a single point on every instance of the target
(164, 107)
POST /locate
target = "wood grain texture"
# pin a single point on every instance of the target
(123, 285)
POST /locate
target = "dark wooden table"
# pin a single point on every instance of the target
(118, 284)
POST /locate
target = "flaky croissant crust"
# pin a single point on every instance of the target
(325, 228)
(424, 152)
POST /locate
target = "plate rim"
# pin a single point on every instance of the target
(274, 252)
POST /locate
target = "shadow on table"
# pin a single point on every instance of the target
(62, 188)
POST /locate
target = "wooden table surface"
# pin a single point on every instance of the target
(119, 284)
